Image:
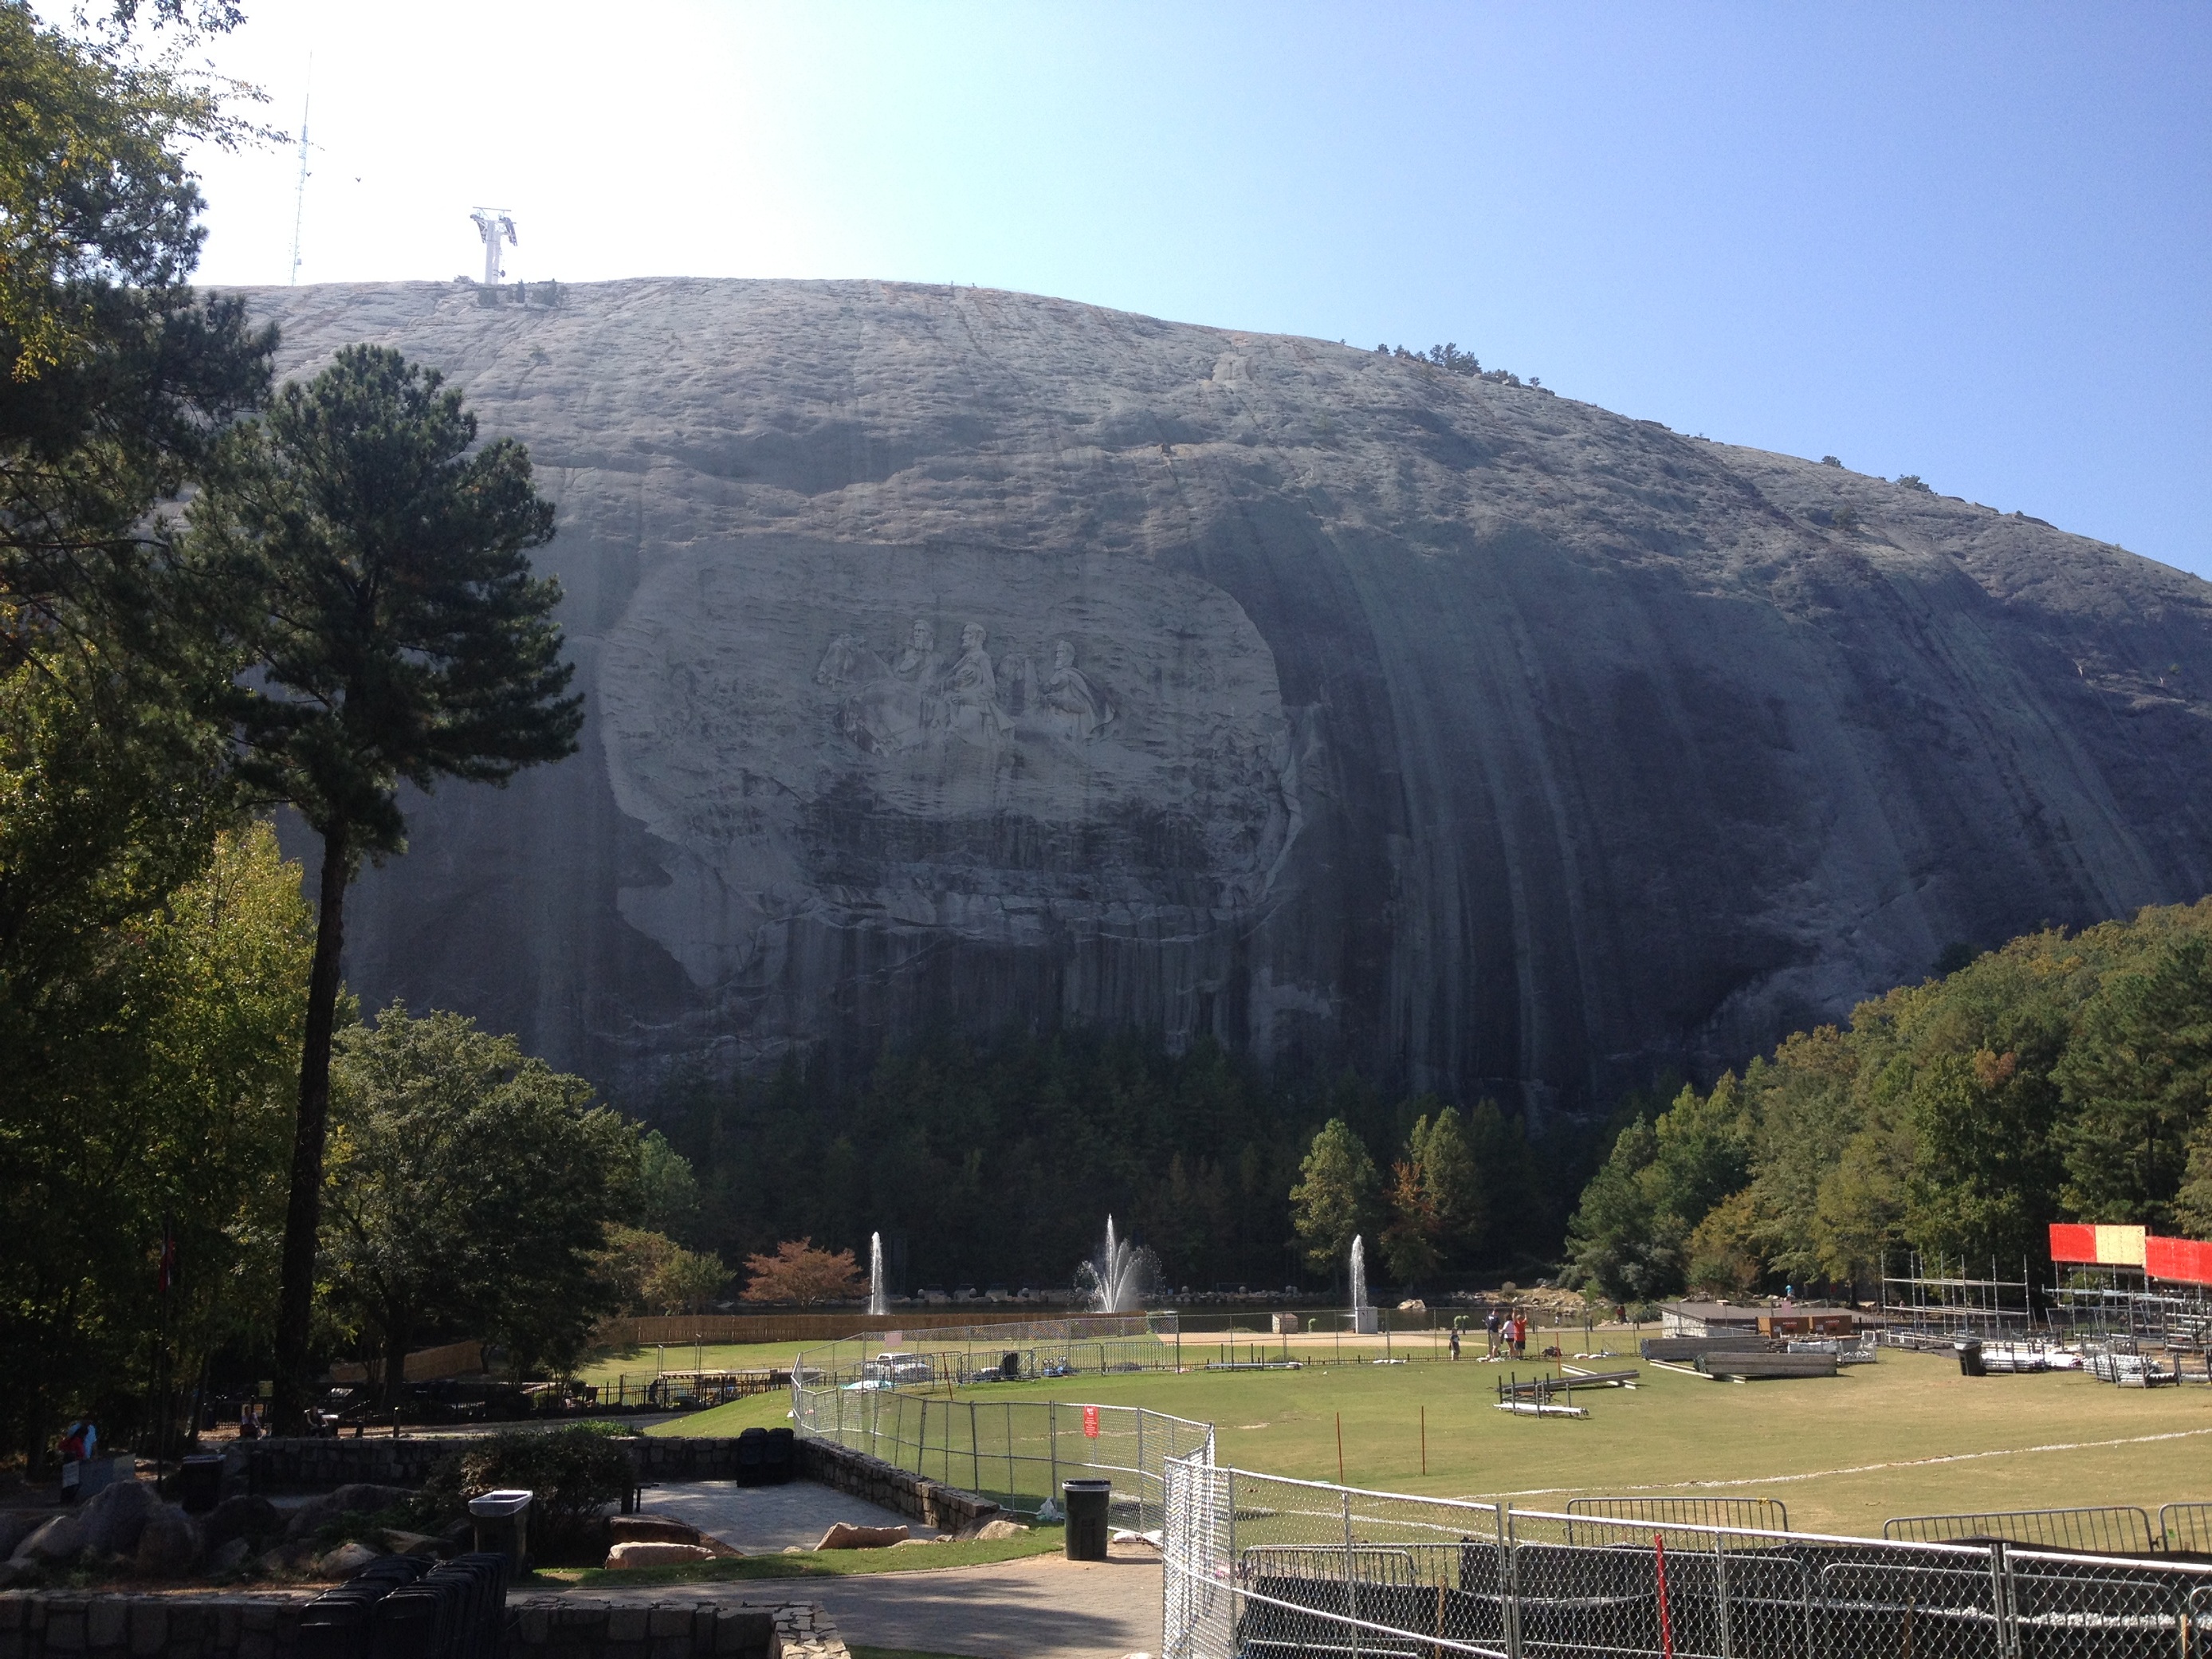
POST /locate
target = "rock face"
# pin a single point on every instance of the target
(970, 660)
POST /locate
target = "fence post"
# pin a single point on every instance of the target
(1052, 1435)
(1010, 1454)
(1351, 1583)
(1142, 1471)
(1509, 1580)
(2001, 1601)
(974, 1452)
(1720, 1591)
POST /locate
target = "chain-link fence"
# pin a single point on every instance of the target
(1260, 1566)
(1015, 1452)
(1081, 1344)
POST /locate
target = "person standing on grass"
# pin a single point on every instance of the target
(1520, 1334)
(1455, 1342)
(1490, 1329)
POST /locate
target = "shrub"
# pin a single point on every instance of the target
(576, 1473)
(1912, 481)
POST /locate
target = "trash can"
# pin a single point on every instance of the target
(1085, 1502)
(1969, 1357)
(199, 1483)
(1010, 1366)
(502, 1525)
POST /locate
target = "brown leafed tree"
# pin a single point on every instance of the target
(799, 1272)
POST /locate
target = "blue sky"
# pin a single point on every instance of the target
(1966, 241)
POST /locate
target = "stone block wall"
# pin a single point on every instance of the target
(947, 1509)
(314, 1464)
(35, 1626)
(562, 1628)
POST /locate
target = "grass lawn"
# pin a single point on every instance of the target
(1906, 1436)
(815, 1564)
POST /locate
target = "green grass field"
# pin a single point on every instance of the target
(1906, 1436)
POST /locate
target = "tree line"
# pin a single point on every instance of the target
(997, 1163)
(2064, 1077)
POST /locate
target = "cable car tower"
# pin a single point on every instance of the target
(492, 223)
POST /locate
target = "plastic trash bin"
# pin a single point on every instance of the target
(199, 1482)
(1969, 1357)
(752, 1456)
(502, 1526)
(1086, 1502)
(780, 1462)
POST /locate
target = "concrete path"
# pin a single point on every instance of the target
(1043, 1607)
(763, 1520)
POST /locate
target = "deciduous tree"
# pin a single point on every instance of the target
(799, 1272)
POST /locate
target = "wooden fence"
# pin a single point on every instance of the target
(423, 1366)
(688, 1330)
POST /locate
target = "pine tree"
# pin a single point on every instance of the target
(399, 636)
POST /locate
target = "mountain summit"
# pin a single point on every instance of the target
(969, 660)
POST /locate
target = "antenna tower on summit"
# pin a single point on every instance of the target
(492, 223)
(300, 191)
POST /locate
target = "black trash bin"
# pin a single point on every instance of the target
(502, 1520)
(1969, 1357)
(780, 1457)
(1086, 1502)
(1010, 1366)
(199, 1483)
(752, 1457)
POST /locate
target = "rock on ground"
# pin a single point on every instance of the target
(344, 1561)
(846, 1536)
(114, 1516)
(168, 1543)
(644, 1554)
(56, 1542)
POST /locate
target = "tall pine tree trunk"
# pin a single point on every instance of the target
(303, 1214)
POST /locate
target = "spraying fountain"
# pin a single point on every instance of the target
(877, 1307)
(1364, 1320)
(1118, 1277)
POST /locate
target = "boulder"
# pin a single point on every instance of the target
(653, 1529)
(168, 1543)
(361, 1498)
(991, 1531)
(344, 1561)
(59, 1541)
(400, 1542)
(114, 1515)
(846, 1536)
(645, 1554)
(228, 1558)
(243, 1517)
(16, 1525)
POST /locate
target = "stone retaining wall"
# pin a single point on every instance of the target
(35, 1624)
(948, 1508)
(310, 1463)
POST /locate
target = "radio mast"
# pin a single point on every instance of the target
(300, 191)
(491, 224)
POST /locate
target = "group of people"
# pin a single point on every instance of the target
(1507, 1332)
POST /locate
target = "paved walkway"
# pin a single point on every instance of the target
(1044, 1608)
(763, 1520)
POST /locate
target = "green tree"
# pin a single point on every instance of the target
(668, 1191)
(1439, 1207)
(1610, 1241)
(1334, 1198)
(470, 1189)
(400, 637)
(173, 1114)
(2138, 1077)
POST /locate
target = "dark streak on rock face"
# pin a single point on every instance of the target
(964, 659)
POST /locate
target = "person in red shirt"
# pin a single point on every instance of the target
(1520, 1334)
